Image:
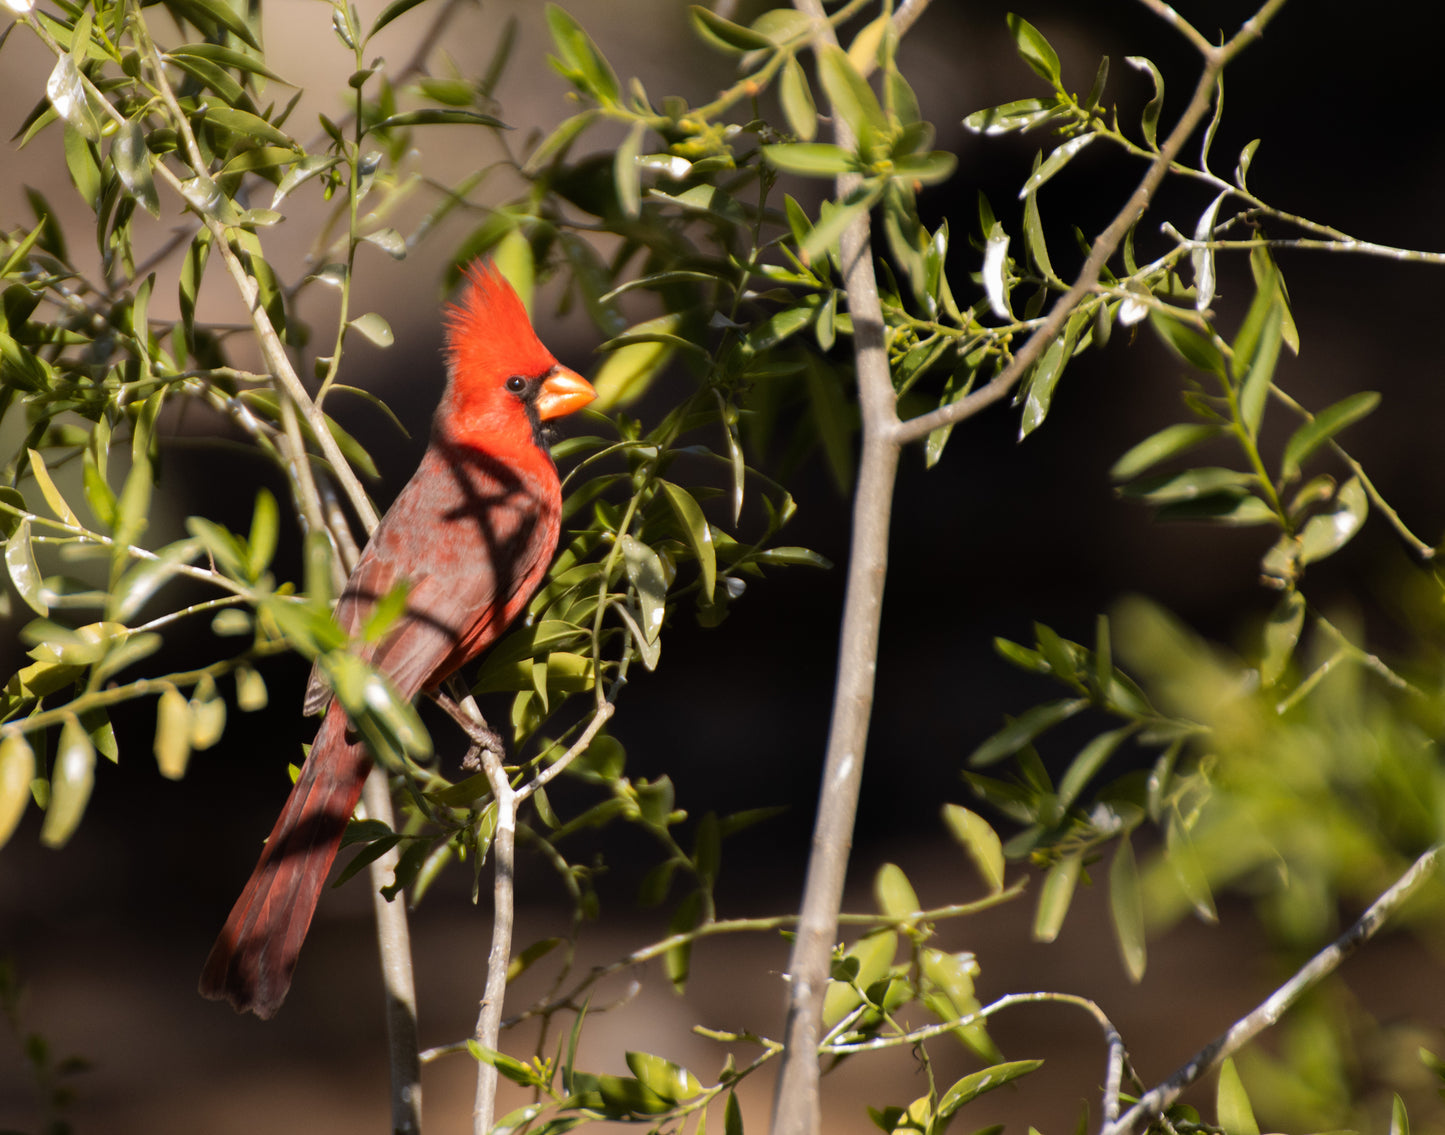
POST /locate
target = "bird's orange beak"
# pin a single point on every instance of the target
(563, 392)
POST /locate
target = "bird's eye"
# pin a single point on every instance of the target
(516, 384)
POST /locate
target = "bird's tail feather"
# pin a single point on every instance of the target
(253, 958)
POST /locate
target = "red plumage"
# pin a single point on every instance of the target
(472, 532)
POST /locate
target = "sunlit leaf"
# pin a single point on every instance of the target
(976, 1083)
(1327, 533)
(1149, 120)
(1322, 428)
(980, 841)
(1236, 1116)
(1168, 442)
(17, 770)
(24, 574)
(1023, 729)
(796, 98)
(1126, 906)
(1055, 896)
(72, 776)
(1034, 49)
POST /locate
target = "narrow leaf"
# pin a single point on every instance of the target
(1126, 905)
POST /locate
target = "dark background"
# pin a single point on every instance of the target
(110, 932)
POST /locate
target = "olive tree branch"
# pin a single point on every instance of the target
(796, 1109)
(1154, 1102)
(1108, 241)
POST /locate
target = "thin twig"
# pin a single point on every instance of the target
(1154, 1102)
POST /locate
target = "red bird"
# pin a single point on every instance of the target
(473, 533)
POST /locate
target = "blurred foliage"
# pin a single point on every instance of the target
(1305, 775)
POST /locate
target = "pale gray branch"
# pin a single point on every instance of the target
(796, 1109)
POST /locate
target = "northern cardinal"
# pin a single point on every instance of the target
(473, 533)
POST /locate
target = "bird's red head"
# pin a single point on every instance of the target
(490, 344)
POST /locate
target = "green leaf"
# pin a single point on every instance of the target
(1202, 259)
(227, 57)
(810, 159)
(387, 721)
(173, 733)
(227, 551)
(391, 12)
(581, 63)
(375, 328)
(250, 689)
(1255, 387)
(1090, 759)
(850, 95)
(508, 1066)
(71, 779)
(645, 572)
(1191, 484)
(1327, 533)
(1168, 442)
(980, 841)
(1231, 1103)
(1036, 241)
(17, 770)
(796, 98)
(1399, 1117)
(696, 531)
(1126, 905)
(1188, 870)
(868, 960)
(1020, 115)
(1149, 120)
(437, 116)
(1046, 375)
(672, 1082)
(1281, 635)
(626, 173)
(247, 125)
(1187, 343)
(48, 490)
(138, 584)
(724, 33)
(1055, 896)
(833, 218)
(265, 531)
(1034, 49)
(733, 1116)
(389, 241)
(204, 13)
(1022, 730)
(24, 574)
(133, 163)
(1322, 428)
(1057, 160)
(303, 170)
(893, 892)
(976, 1083)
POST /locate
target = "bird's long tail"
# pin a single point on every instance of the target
(251, 963)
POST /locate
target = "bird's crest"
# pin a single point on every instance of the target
(488, 333)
